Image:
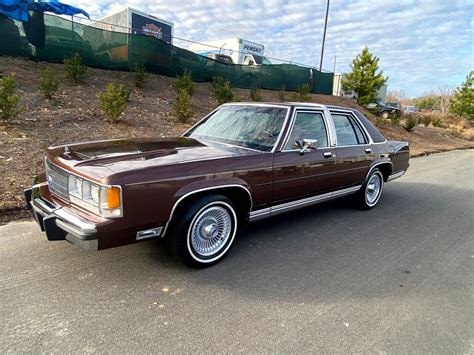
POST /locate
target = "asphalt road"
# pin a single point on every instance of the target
(397, 279)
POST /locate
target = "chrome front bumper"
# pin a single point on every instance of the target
(60, 224)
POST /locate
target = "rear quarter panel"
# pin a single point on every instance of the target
(399, 154)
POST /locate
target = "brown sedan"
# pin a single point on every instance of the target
(241, 163)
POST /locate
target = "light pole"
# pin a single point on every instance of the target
(324, 36)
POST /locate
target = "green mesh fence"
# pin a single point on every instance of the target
(52, 38)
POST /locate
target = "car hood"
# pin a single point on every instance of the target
(102, 158)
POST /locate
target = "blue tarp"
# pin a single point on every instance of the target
(57, 8)
(18, 9)
(15, 9)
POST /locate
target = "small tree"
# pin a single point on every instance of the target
(365, 79)
(182, 106)
(255, 94)
(282, 94)
(302, 93)
(8, 98)
(462, 103)
(75, 70)
(184, 82)
(410, 124)
(48, 83)
(113, 101)
(139, 74)
(222, 90)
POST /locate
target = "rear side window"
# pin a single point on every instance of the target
(377, 137)
(347, 130)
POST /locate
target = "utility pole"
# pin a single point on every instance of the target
(324, 36)
(334, 70)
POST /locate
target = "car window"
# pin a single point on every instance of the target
(347, 130)
(308, 125)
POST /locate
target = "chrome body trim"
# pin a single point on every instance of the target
(396, 175)
(259, 214)
(201, 190)
(149, 233)
(375, 165)
(289, 206)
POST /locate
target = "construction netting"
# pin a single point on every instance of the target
(52, 38)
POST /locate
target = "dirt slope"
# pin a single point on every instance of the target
(75, 116)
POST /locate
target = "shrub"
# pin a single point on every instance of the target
(184, 82)
(255, 94)
(8, 98)
(222, 90)
(410, 123)
(182, 106)
(282, 94)
(302, 93)
(113, 101)
(436, 122)
(425, 120)
(75, 70)
(379, 121)
(48, 83)
(139, 74)
(394, 119)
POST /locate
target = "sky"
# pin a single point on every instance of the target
(421, 44)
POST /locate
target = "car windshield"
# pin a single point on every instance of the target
(255, 127)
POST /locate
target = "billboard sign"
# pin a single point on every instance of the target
(143, 25)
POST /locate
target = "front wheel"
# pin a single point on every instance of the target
(370, 192)
(385, 115)
(204, 234)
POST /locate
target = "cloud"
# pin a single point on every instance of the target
(421, 44)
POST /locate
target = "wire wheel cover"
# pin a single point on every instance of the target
(211, 230)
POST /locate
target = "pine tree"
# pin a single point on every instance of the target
(365, 79)
(462, 103)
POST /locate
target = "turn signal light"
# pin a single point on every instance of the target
(113, 195)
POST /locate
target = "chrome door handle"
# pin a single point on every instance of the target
(368, 150)
(327, 154)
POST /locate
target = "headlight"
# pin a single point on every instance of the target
(103, 200)
(75, 186)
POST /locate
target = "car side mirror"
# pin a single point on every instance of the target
(308, 144)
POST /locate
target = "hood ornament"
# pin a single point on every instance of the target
(67, 151)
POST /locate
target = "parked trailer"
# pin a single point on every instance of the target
(126, 21)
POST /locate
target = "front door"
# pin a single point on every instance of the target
(298, 175)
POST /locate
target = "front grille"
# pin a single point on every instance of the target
(57, 180)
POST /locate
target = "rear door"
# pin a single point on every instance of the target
(297, 175)
(353, 151)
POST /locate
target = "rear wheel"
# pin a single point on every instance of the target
(370, 193)
(385, 115)
(204, 234)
